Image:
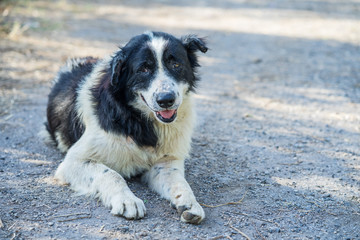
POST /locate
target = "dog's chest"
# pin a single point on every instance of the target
(126, 157)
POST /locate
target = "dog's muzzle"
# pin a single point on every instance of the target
(165, 101)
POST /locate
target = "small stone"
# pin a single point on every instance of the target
(143, 234)
(274, 230)
(123, 229)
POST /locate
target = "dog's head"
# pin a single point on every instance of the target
(158, 71)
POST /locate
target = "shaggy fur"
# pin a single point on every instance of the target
(128, 114)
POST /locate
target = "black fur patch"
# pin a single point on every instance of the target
(116, 115)
(61, 112)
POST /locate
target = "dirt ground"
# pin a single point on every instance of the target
(278, 118)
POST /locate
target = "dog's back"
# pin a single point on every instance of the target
(64, 125)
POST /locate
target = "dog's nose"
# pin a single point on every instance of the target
(166, 99)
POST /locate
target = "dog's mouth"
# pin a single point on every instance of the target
(166, 116)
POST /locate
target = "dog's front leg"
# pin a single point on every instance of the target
(168, 180)
(88, 177)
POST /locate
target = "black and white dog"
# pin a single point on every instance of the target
(128, 114)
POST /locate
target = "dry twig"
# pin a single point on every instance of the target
(69, 215)
(12, 225)
(240, 232)
(87, 215)
(258, 232)
(217, 237)
(71, 219)
(13, 236)
(220, 237)
(47, 206)
(102, 228)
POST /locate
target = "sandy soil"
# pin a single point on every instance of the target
(278, 109)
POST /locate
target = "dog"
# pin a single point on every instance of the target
(129, 114)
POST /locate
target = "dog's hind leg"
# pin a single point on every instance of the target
(168, 180)
(86, 176)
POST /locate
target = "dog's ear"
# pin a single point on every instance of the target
(192, 43)
(116, 66)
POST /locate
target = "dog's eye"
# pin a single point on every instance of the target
(175, 65)
(144, 70)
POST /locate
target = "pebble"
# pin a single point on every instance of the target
(123, 229)
(274, 230)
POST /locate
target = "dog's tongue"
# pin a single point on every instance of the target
(167, 113)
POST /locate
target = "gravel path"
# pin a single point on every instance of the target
(278, 113)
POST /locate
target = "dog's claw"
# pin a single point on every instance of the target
(181, 209)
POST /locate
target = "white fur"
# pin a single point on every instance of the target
(61, 145)
(168, 180)
(96, 164)
(157, 44)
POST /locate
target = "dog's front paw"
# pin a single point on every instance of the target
(127, 205)
(191, 213)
